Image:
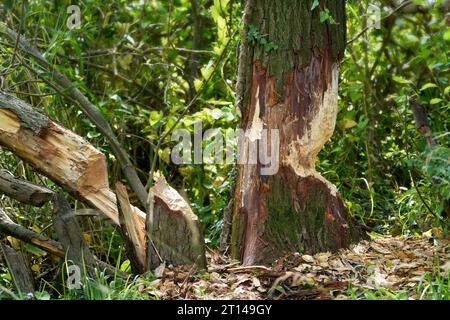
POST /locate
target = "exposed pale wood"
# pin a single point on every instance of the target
(177, 236)
(19, 268)
(79, 168)
(132, 228)
(292, 93)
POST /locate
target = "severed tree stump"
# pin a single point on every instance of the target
(176, 234)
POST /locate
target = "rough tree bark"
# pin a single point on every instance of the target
(288, 80)
(423, 127)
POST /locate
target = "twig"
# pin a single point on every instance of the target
(404, 4)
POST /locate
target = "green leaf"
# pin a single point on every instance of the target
(447, 90)
(219, 102)
(44, 295)
(427, 86)
(324, 15)
(401, 80)
(435, 100)
(125, 266)
(34, 250)
(447, 35)
(348, 123)
(314, 5)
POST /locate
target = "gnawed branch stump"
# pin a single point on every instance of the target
(177, 236)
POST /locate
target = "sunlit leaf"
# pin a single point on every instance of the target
(427, 86)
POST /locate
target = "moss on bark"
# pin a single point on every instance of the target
(297, 32)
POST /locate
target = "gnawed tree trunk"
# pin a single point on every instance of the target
(176, 236)
(288, 81)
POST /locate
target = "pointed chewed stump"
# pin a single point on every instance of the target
(177, 236)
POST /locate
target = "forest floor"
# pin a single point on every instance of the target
(393, 264)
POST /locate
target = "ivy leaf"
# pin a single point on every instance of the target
(269, 47)
(324, 15)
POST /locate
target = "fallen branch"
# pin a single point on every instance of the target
(9, 227)
(132, 229)
(58, 153)
(23, 191)
(79, 168)
(70, 234)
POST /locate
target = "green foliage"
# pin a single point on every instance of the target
(325, 15)
(142, 62)
(376, 156)
(254, 37)
(431, 287)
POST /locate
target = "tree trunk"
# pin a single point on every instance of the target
(288, 82)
